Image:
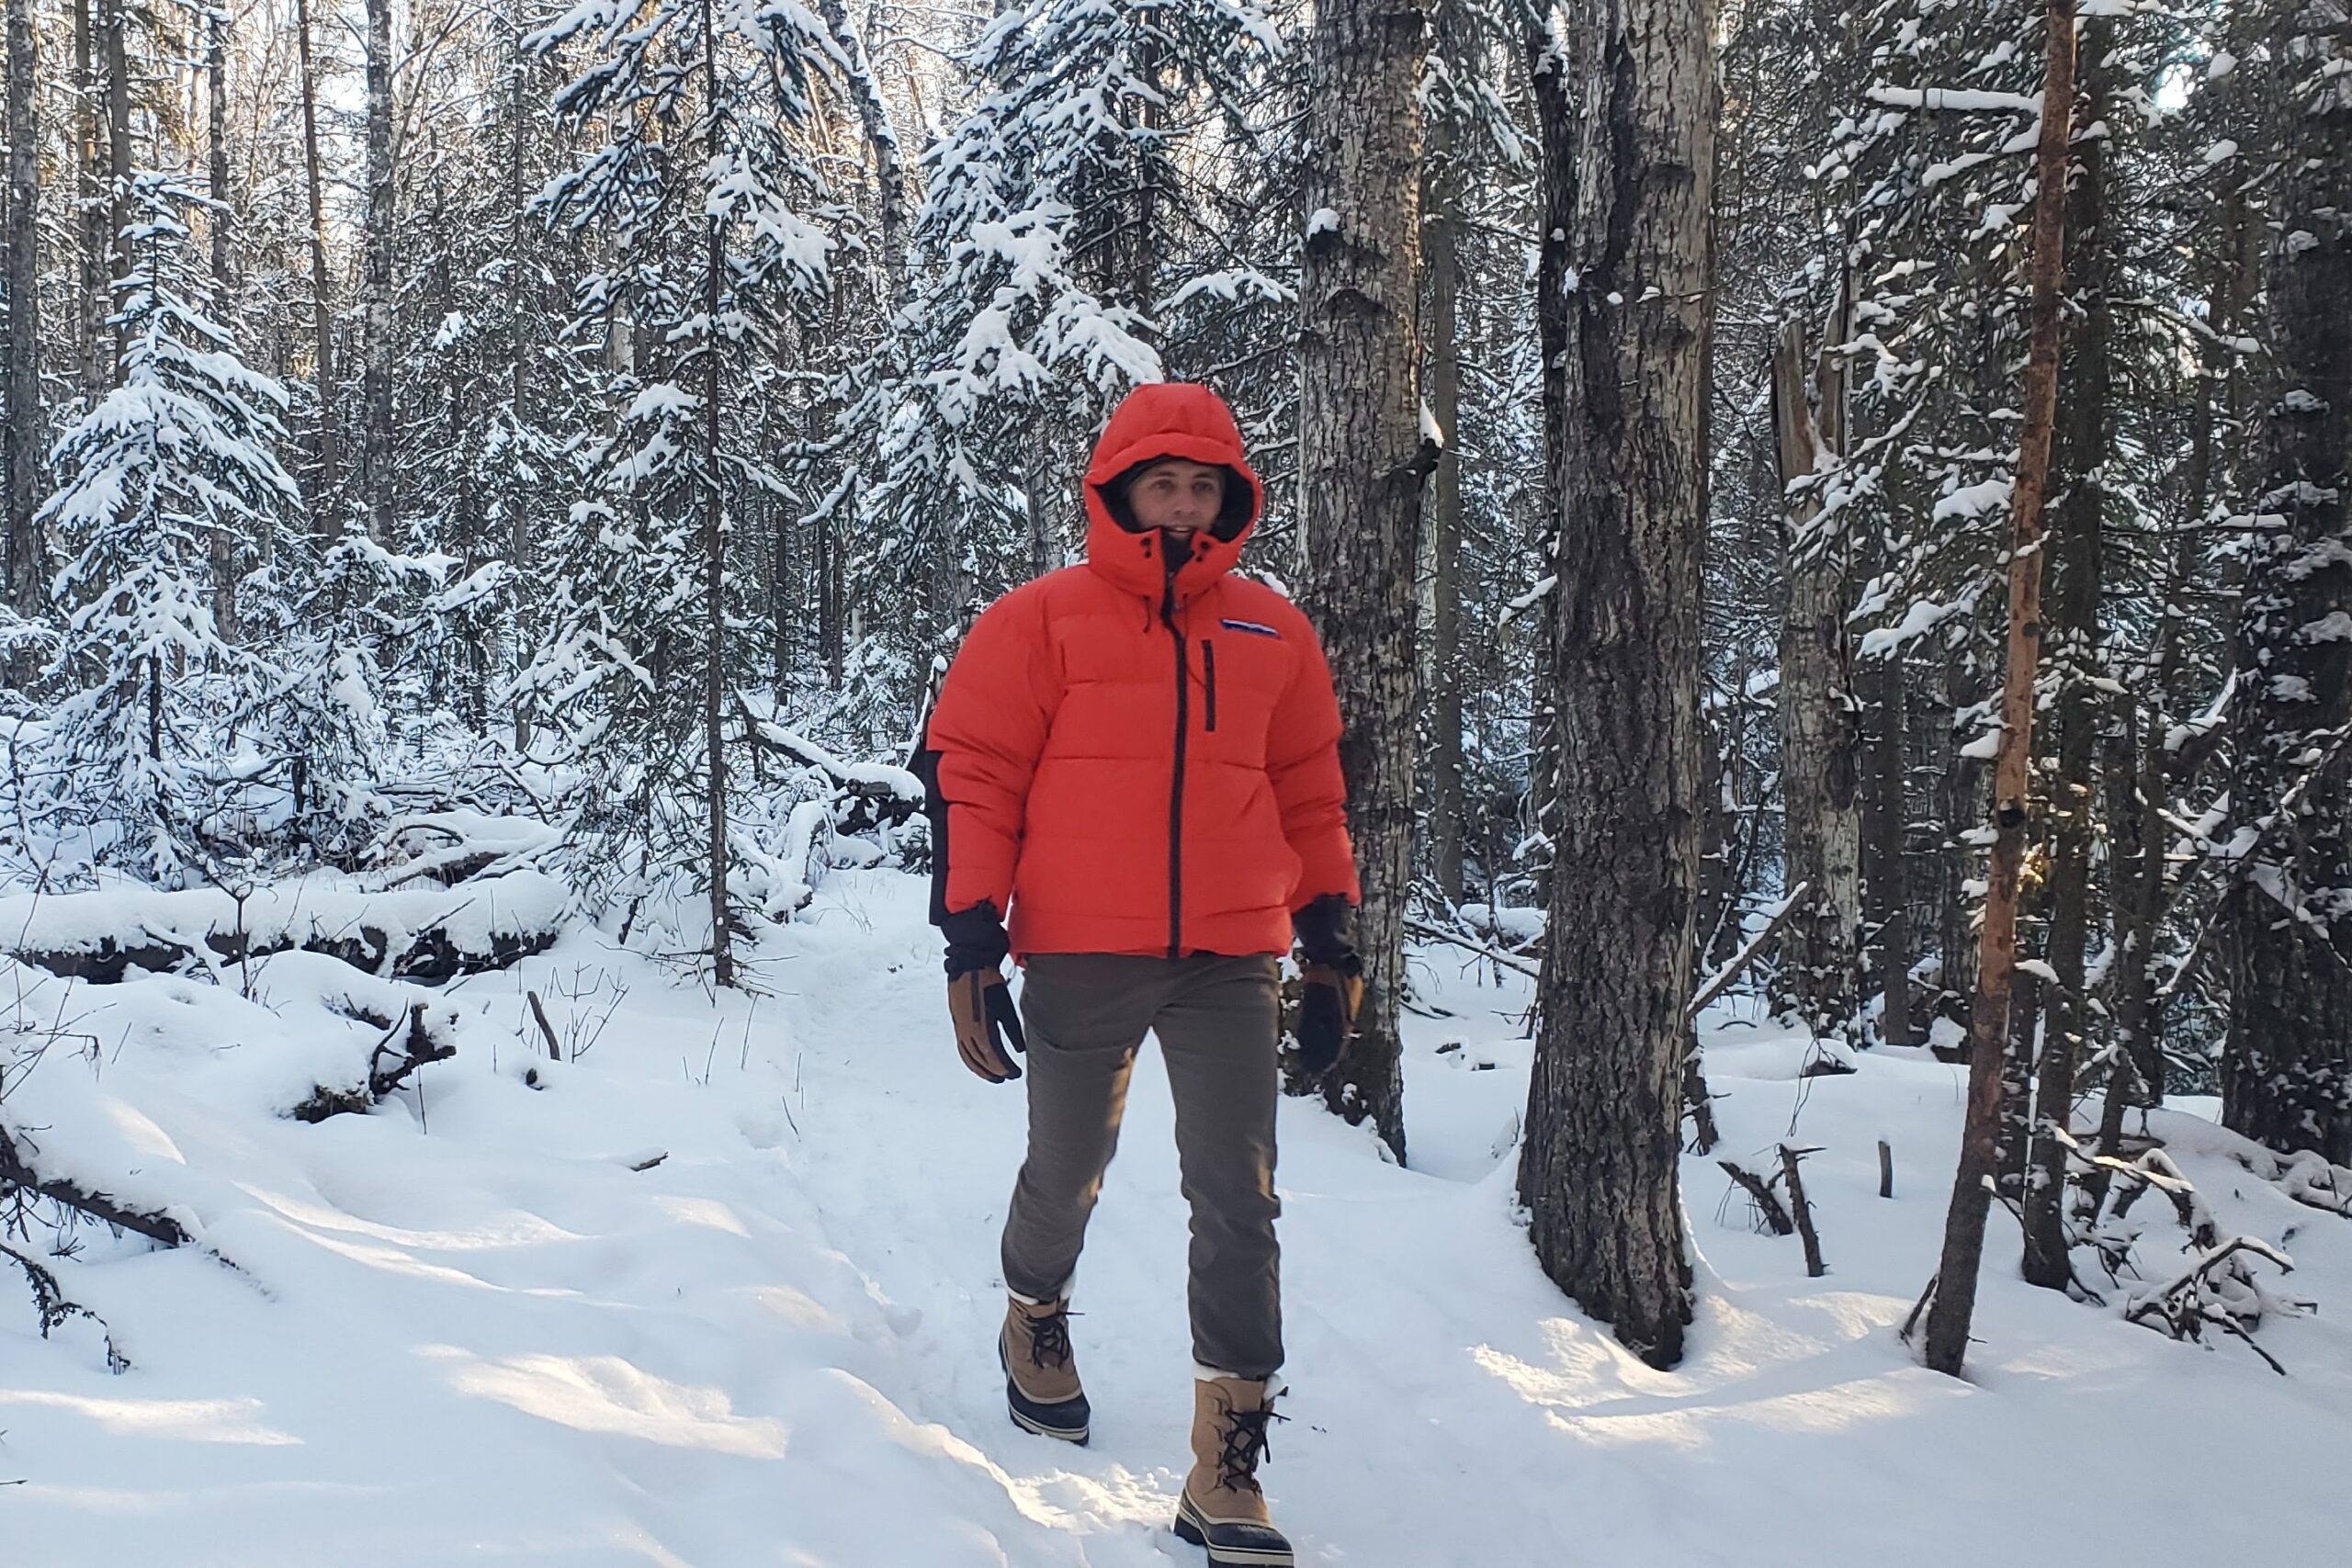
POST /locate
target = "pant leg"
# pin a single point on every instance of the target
(1084, 1015)
(1218, 1030)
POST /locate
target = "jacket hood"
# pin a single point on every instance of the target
(1168, 419)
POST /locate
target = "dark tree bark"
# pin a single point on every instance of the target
(114, 52)
(323, 504)
(2287, 1073)
(2078, 453)
(881, 149)
(1598, 1170)
(1555, 209)
(1442, 269)
(1988, 1023)
(1362, 463)
(714, 523)
(216, 104)
(376, 459)
(1820, 776)
(1886, 880)
(226, 555)
(89, 168)
(525, 314)
(25, 573)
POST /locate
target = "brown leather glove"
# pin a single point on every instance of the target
(986, 1021)
(1330, 999)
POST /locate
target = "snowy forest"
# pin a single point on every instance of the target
(1838, 581)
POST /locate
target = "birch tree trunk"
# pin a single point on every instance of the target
(2286, 1072)
(1599, 1168)
(1363, 462)
(324, 503)
(376, 467)
(22, 454)
(1954, 1306)
(1820, 778)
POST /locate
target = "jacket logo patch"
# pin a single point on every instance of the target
(1253, 628)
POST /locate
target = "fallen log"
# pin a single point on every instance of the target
(422, 934)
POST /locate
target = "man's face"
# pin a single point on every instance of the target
(1177, 497)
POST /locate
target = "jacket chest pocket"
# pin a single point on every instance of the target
(1237, 679)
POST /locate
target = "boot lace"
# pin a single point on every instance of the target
(1244, 1444)
(1049, 1339)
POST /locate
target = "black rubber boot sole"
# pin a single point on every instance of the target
(1232, 1545)
(1070, 1421)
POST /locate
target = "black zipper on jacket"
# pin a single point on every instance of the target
(1176, 779)
(1208, 682)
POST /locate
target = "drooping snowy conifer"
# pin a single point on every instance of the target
(709, 213)
(173, 466)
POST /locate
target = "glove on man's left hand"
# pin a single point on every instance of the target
(1331, 990)
(1329, 1002)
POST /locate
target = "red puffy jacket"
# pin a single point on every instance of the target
(1144, 760)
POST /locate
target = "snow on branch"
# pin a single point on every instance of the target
(1961, 100)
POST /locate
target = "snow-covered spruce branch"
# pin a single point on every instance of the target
(2220, 1291)
(18, 1172)
(56, 1309)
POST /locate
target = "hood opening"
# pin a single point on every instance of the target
(1241, 504)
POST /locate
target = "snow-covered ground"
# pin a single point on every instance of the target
(464, 1327)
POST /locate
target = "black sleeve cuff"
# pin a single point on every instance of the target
(1322, 928)
(976, 939)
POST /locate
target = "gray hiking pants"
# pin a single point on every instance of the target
(1217, 1019)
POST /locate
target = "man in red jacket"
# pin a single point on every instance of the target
(1137, 760)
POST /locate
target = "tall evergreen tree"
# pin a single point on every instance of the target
(711, 210)
(2288, 1078)
(177, 458)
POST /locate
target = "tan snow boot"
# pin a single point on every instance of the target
(1041, 1385)
(1222, 1507)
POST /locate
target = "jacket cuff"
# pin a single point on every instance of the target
(976, 939)
(1322, 928)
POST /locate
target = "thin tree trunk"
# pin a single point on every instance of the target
(2078, 454)
(1955, 1307)
(2286, 1067)
(227, 553)
(89, 163)
(881, 147)
(524, 316)
(1598, 1170)
(1820, 777)
(1363, 462)
(376, 467)
(22, 454)
(1889, 885)
(322, 498)
(1442, 264)
(714, 693)
(119, 167)
(1556, 209)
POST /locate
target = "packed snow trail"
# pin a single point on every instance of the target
(468, 1328)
